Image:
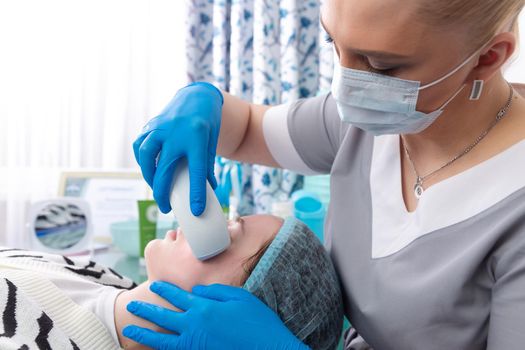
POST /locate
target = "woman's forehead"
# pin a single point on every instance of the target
(377, 25)
(263, 225)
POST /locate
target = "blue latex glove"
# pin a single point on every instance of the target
(188, 127)
(214, 317)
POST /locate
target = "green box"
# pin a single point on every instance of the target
(148, 213)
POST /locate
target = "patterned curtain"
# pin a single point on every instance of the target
(266, 52)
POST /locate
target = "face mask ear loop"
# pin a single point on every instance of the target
(452, 98)
(453, 72)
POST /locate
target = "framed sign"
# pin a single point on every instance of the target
(111, 196)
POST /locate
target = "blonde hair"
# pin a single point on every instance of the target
(484, 18)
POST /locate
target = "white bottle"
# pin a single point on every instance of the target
(206, 234)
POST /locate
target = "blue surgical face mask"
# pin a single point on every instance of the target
(382, 104)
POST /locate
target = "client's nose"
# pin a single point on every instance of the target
(173, 234)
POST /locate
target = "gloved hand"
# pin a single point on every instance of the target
(214, 317)
(188, 127)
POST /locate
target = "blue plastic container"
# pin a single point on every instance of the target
(319, 184)
(309, 208)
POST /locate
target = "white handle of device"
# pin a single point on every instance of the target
(206, 234)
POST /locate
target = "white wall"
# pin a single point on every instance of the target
(516, 70)
(78, 80)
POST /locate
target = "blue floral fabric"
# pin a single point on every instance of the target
(266, 52)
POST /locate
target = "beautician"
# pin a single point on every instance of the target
(424, 141)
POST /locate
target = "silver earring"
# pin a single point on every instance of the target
(477, 89)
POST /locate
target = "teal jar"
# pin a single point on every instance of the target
(309, 208)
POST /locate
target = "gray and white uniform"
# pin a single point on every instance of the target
(451, 274)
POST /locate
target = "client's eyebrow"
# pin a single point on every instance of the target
(368, 53)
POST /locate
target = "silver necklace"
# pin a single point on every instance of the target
(418, 186)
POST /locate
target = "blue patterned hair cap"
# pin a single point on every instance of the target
(295, 278)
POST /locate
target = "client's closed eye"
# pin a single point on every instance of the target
(236, 227)
(237, 219)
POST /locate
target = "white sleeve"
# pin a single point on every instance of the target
(304, 136)
(279, 141)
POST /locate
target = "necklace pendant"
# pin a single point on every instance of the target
(418, 188)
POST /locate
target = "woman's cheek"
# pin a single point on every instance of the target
(154, 257)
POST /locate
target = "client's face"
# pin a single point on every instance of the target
(172, 260)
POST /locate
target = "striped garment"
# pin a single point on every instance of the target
(36, 314)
